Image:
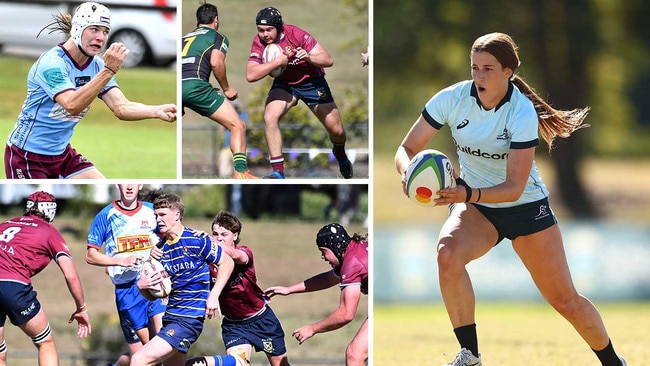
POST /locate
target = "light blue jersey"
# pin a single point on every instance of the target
(187, 261)
(484, 137)
(124, 233)
(44, 126)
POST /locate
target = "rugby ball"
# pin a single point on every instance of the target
(271, 52)
(429, 171)
(162, 289)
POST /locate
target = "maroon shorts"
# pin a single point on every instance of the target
(21, 164)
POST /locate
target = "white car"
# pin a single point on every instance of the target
(148, 28)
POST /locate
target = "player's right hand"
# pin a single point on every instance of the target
(276, 290)
(115, 56)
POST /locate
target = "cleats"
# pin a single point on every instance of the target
(245, 175)
(345, 167)
(276, 174)
(465, 358)
(623, 363)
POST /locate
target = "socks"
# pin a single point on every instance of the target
(239, 161)
(467, 338)
(608, 356)
(277, 163)
(338, 149)
(225, 360)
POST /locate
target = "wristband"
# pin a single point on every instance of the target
(111, 70)
(82, 309)
(479, 195)
(468, 190)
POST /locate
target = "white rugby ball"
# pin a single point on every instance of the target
(429, 171)
(271, 52)
(163, 289)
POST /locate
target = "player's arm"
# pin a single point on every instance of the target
(256, 71)
(318, 56)
(415, 141)
(318, 282)
(218, 65)
(237, 255)
(225, 265)
(127, 110)
(73, 282)
(97, 258)
(348, 304)
(75, 101)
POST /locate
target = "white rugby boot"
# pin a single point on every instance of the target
(623, 363)
(466, 358)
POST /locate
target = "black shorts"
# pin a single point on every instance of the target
(262, 331)
(18, 302)
(512, 222)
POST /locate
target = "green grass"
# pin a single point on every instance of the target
(119, 149)
(509, 334)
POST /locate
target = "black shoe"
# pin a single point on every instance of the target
(345, 167)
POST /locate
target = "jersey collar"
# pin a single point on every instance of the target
(503, 101)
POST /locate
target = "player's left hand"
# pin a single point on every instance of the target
(83, 321)
(301, 54)
(166, 112)
(303, 333)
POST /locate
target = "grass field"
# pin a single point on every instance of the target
(509, 334)
(285, 253)
(139, 149)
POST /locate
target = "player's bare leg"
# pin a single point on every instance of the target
(38, 328)
(356, 353)
(553, 279)
(228, 117)
(278, 104)
(328, 114)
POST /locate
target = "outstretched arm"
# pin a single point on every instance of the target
(74, 286)
(225, 267)
(316, 283)
(344, 314)
(127, 110)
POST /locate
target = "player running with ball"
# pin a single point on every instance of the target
(303, 79)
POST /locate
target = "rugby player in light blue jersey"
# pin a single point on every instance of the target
(187, 258)
(61, 85)
(494, 120)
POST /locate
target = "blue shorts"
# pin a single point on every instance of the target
(18, 302)
(262, 331)
(311, 91)
(180, 332)
(135, 310)
(526, 219)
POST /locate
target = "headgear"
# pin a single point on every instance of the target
(88, 14)
(270, 16)
(335, 238)
(43, 202)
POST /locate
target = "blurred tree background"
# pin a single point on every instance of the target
(575, 53)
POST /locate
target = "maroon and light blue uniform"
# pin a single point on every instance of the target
(354, 269)
(247, 317)
(27, 245)
(297, 71)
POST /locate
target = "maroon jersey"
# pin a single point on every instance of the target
(297, 71)
(27, 245)
(241, 297)
(354, 269)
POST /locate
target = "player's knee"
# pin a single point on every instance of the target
(354, 355)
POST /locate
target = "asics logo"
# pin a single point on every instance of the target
(464, 123)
